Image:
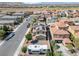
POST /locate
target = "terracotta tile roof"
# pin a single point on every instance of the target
(65, 20)
(61, 24)
(60, 32)
(67, 40)
(54, 28)
(74, 27)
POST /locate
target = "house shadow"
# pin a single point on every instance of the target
(34, 41)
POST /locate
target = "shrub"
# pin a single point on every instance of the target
(24, 49)
(59, 53)
(28, 36)
(2, 32)
(49, 54)
(57, 47)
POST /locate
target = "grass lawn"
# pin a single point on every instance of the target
(69, 46)
(58, 54)
(76, 43)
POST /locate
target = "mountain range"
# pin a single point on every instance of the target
(23, 4)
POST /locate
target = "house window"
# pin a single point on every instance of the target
(58, 41)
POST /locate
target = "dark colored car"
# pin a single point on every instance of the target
(9, 36)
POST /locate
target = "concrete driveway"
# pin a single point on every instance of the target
(64, 50)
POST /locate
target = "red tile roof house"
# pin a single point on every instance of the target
(74, 13)
(62, 24)
(59, 35)
(66, 21)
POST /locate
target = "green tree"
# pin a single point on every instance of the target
(2, 33)
(5, 28)
(21, 19)
(28, 36)
(54, 47)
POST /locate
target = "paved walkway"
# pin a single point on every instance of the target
(64, 50)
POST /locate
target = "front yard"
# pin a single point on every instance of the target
(69, 46)
(54, 48)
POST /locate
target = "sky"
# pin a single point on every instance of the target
(37, 1)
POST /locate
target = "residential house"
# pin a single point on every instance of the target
(61, 24)
(59, 35)
(19, 14)
(39, 31)
(75, 20)
(10, 21)
(8, 18)
(6, 22)
(51, 19)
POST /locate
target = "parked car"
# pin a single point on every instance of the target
(9, 36)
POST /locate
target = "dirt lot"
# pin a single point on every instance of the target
(3, 10)
(19, 9)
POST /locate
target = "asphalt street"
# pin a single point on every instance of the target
(9, 47)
